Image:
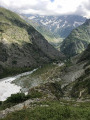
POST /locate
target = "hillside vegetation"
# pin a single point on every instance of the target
(21, 46)
(57, 92)
(77, 41)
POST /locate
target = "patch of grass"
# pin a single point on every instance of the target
(48, 72)
(35, 94)
(54, 111)
(44, 69)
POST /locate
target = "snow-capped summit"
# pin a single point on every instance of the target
(59, 25)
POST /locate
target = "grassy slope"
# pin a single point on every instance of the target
(77, 41)
(9, 31)
(47, 73)
(53, 111)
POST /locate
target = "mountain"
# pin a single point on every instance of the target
(81, 87)
(54, 28)
(54, 91)
(86, 55)
(77, 41)
(49, 36)
(61, 26)
(21, 46)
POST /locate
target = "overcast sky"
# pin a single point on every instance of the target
(49, 7)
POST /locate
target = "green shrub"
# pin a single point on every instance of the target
(16, 98)
(14, 62)
(55, 88)
(35, 94)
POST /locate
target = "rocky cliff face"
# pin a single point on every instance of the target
(80, 88)
(77, 41)
(21, 46)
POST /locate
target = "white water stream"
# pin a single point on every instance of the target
(7, 88)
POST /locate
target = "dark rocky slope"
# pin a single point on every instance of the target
(80, 88)
(86, 54)
(21, 46)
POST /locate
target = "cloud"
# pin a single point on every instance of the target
(49, 7)
(80, 11)
(86, 8)
(87, 4)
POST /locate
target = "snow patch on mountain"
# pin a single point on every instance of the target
(59, 25)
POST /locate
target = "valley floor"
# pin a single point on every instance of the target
(50, 89)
